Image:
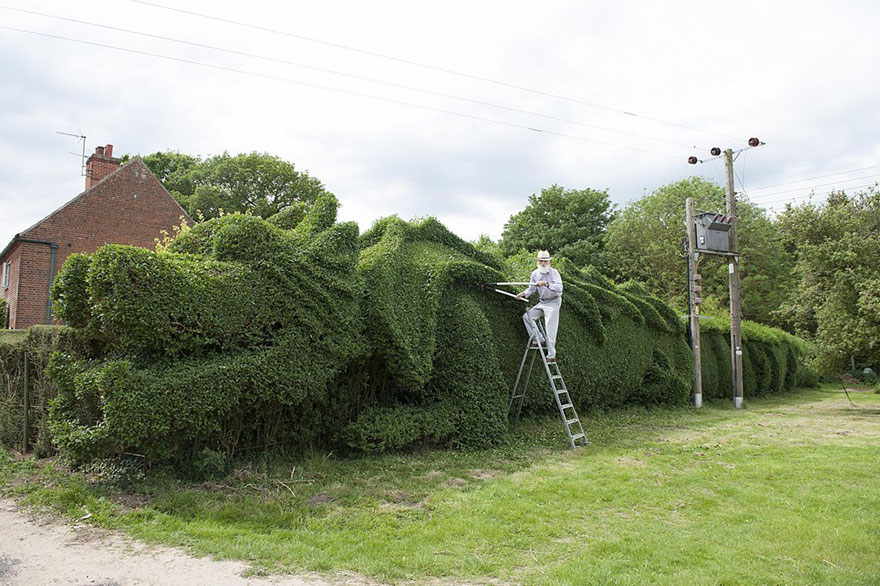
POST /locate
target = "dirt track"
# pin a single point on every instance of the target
(37, 552)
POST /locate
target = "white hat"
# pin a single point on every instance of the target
(543, 255)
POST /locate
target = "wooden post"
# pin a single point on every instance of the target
(694, 303)
(26, 400)
(735, 291)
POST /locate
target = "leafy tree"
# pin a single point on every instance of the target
(567, 222)
(488, 246)
(255, 183)
(645, 242)
(173, 170)
(837, 300)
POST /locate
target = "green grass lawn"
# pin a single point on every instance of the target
(785, 491)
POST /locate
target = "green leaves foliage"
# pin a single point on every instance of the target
(231, 339)
(835, 303)
(254, 183)
(773, 360)
(31, 351)
(645, 243)
(568, 222)
(407, 269)
(247, 333)
(69, 292)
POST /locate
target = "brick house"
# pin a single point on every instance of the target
(122, 204)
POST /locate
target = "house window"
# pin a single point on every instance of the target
(6, 267)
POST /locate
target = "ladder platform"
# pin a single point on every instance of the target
(557, 385)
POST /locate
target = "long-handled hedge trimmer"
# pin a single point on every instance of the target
(494, 287)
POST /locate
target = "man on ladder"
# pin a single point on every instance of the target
(548, 283)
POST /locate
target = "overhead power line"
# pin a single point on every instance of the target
(343, 74)
(336, 90)
(432, 67)
(813, 178)
(754, 197)
(813, 194)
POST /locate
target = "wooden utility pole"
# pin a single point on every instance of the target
(694, 303)
(735, 291)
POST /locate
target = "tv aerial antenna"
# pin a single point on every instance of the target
(81, 138)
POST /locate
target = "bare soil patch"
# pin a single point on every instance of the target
(321, 498)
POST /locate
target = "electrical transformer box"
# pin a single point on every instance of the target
(712, 231)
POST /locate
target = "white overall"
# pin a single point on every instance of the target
(550, 311)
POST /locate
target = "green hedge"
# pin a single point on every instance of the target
(248, 333)
(230, 340)
(11, 369)
(438, 378)
(32, 349)
(773, 360)
(453, 348)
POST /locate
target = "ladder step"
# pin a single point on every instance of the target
(557, 385)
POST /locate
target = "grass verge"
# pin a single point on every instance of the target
(783, 491)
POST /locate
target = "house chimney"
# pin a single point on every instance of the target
(100, 164)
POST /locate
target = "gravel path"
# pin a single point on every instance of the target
(37, 552)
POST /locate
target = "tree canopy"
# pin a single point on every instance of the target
(836, 301)
(567, 222)
(255, 183)
(645, 242)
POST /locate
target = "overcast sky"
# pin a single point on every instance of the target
(635, 87)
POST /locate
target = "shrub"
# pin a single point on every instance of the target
(773, 360)
(33, 348)
(70, 291)
(229, 340)
(11, 415)
(454, 349)
(246, 333)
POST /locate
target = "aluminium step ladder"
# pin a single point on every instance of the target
(570, 420)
